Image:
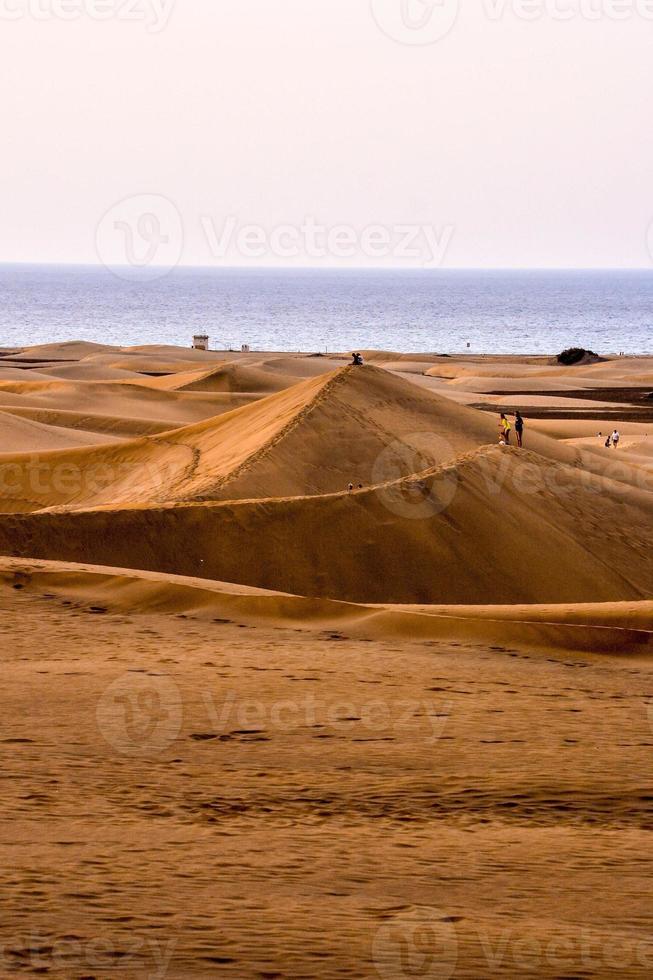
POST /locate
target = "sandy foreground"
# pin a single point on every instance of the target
(257, 724)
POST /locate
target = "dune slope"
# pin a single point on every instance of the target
(498, 526)
(626, 626)
(358, 425)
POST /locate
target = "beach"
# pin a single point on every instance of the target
(308, 675)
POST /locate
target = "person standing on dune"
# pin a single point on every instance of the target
(615, 438)
(505, 429)
(519, 429)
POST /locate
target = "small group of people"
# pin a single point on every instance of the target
(505, 428)
(613, 439)
(357, 359)
(351, 487)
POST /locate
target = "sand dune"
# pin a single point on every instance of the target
(497, 526)
(258, 493)
(611, 627)
(354, 425)
(180, 463)
(114, 427)
(222, 668)
(88, 371)
(340, 427)
(23, 374)
(18, 434)
(300, 366)
(119, 400)
(69, 350)
(240, 378)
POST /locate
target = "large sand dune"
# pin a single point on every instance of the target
(495, 526)
(258, 495)
(353, 425)
(240, 699)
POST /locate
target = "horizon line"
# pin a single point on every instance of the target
(135, 270)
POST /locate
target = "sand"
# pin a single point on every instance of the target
(257, 724)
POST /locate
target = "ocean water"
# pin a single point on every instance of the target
(334, 310)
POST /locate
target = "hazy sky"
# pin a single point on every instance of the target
(362, 132)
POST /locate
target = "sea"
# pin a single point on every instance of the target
(441, 311)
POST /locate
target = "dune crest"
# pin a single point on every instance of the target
(598, 627)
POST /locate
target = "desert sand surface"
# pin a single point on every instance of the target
(306, 675)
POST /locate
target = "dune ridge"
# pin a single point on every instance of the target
(598, 627)
(496, 525)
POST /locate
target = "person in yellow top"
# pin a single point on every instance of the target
(505, 429)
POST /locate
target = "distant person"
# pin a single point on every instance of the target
(615, 439)
(608, 442)
(505, 429)
(358, 360)
(351, 487)
(519, 429)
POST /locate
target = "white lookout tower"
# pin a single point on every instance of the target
(200, 341)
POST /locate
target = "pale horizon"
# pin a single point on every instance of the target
(501, 141)
(262, 267)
